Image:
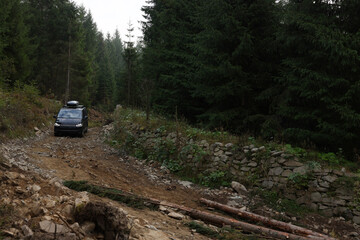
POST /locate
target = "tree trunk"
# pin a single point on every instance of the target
(246, 227)
(266, 221)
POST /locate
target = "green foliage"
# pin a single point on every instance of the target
(330, 158)
(201, 229)
(300, 181)
(297, 151)
(273, 200)
(214, 179)
(111, 193)
(22, 109)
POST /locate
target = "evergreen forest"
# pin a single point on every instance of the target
(280, 70)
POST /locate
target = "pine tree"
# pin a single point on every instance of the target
(15, 47)
(319, 103)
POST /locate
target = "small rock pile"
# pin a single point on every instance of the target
(37, 208)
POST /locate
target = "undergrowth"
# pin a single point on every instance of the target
(273, 200)
(130, 200)
(22, 109)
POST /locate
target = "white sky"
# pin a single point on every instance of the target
(115, 14)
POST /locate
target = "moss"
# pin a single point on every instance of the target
(274, 201)
(130, 200)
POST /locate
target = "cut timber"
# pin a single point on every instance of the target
(266, 221)
(246, 227)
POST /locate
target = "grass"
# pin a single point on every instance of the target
(22, 109)
(274, 201)
(125, 116)
(130, 200)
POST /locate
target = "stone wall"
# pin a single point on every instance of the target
(332, 192)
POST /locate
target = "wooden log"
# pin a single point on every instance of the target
(287, 227)
(246, 227)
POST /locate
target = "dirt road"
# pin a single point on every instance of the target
(90, 159)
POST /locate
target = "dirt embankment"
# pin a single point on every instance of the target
(32, 191)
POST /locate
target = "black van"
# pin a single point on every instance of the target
(71, 119)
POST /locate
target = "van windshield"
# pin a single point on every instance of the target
(70, 113)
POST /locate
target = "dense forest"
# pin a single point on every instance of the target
(283, 70)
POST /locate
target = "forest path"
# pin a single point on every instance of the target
(90, 159)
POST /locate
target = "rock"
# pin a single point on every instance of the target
(254, 150)
(316, 197)
(28, 233)
(88, 227)
(267, 184)
(329, 178)
(82, 200)
(35, 188)
(12, 175)
(353, 234)
(238, 187)
(163, 209)
(151, 227)
(50, 203)
(339, 202)
(64, 199)
(13, 232)
(108, 219)
(275, 171)
(293, 163)
(19, 190)
(301, 200)
(276, 154)
(36, 210)
(68, 210)
(287, 173)
(252, 164)
(232, 204)
(262, 148)
(356, 219)
(36, 129)
(229, 145)
(51, 227)
(300, 170)
(177, 216)
(281, 160)
(324, 184)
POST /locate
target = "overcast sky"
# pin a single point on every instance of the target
(111, 14)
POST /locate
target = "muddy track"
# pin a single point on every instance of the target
(92, 160)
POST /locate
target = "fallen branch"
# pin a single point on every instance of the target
(266, 221)
(79, 235)
(206, 217)
(246, 227)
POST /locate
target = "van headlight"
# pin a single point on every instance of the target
(57, 125)
(79, 125)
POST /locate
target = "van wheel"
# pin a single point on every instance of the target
(82, 133)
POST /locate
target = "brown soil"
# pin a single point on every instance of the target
(90, 159)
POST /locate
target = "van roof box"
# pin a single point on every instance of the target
(72, 103)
